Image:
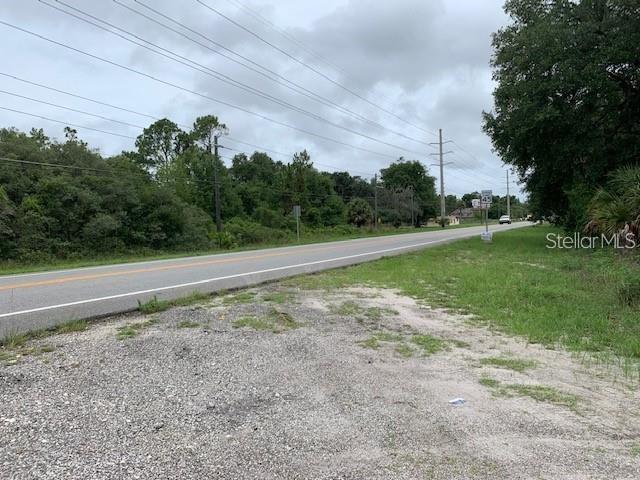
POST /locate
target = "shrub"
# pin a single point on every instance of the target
(247, 232)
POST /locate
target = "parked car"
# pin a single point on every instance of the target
(505, 219)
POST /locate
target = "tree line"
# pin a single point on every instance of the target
(62, 199)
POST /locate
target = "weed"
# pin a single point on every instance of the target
(188, 324)
(376, 313)
(429, 344)
(404, 350)
(371, 342)
(276, 322)
(635, 450)
(277, 297)
(155, 306)
(239, 298)
(72, 326)
(132, 330)
(539, 393)
(516, 364)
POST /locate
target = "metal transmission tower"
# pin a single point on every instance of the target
(219, 131)
(441, 164)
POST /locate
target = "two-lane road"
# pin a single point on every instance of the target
(39, 300)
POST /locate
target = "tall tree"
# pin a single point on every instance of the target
(567, 105)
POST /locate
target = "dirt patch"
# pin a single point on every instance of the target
(356, 386)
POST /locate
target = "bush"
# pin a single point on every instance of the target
(247, 232)
(224, 240)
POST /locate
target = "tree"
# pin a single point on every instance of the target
(358, 212)
(412, 175)
(159, 145)
(567, 105)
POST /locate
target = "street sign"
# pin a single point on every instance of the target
(296, 211)
(486, 197)
(475, 203)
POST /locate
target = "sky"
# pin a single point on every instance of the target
(357, 83)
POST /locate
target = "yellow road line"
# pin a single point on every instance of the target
(77, 278)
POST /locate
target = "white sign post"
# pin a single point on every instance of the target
(486, 197)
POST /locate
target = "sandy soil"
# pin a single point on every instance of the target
(356, 385)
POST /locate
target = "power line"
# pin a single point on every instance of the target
(215, 74)
(310, 67)
(279, 79)
(67, 124)
(193, 92)
(108, 119)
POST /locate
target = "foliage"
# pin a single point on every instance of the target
(615, 209)
(567, 105)
(358, 212)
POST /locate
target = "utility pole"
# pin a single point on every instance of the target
(508, 197)
(219, 131)
(375, 201)
(441, 164)
(413, 219)
(216, 185)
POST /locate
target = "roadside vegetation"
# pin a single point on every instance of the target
(586, 301)
(63, 205)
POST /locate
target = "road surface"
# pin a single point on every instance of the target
(39, 300)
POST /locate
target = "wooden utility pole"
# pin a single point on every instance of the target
(375, 201)
(216, 185)
(441, 164)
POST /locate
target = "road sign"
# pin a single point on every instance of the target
(486, 197)
(296, 211)
(475, 203)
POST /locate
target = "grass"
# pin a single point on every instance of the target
(516, 364)
(353, 309)
(189, 324)
(428, 343)
(155, 306)
(275, 321)
(133, 329)
(277, 297)
(516, 284)
(635, 450)
(539, 393)
(239, 298)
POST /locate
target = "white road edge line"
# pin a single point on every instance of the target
(227, 277)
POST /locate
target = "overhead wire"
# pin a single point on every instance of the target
(188, 90)
(217, 75)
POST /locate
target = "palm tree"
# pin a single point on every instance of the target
(615, 209)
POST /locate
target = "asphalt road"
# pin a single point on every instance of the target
(40, 300)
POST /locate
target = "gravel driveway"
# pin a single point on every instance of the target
(279, 383)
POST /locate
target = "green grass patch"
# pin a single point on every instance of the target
(635, 450)
(133, 329)
(581, 299)
(516, 364)
(276, 322)
(239, 298)
(371, 342)
(539, 393)
(188, 324)
(155, 306)
(277, 297)
(404, 350)
(428, 343)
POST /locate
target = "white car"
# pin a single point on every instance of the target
(505, 219)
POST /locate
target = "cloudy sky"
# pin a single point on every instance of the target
(358, 83)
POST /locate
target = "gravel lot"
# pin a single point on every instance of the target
(290, 384)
